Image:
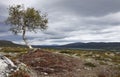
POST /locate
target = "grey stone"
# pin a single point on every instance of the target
(6, 66)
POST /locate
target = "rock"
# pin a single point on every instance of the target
(112, 54)
(22, 66)
(106, 54)
(78, 69)
(117, 53)
(86, 68)
(89, 60)
(6, 66)
(45, 73)
(27, 70)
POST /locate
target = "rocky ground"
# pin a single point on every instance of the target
(64, 63)
(6, 66)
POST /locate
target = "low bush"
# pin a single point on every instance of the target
(90, 64)
(19, 74)
(66, 52)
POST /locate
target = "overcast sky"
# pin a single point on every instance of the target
(69, 21)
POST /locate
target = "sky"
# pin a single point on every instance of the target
(69, 21)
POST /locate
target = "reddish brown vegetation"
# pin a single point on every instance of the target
(44, 61)
(59, 65)
(19, 74)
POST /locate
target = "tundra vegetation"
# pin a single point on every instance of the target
(92, 61)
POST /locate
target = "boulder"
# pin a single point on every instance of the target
(6, 66)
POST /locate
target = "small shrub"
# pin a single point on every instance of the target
(90, 64)
(19, 74)
(88, 55)
(102, 63)
(66, 52)
(78, 55)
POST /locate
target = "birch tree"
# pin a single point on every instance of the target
(26, 19)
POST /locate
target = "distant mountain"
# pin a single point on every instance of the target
(91, 45)
(79, 45)
(46, 46)
(94, 45)
(4, 43)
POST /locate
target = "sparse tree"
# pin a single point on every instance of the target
(23, 20)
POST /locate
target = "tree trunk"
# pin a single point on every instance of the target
(25, 40)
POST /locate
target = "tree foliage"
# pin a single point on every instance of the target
(25, 19)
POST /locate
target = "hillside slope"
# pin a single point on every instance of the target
(94, 45)
(49, 64)
(4, 43)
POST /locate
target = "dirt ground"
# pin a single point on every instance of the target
(48, 64)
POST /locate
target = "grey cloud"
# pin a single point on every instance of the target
(84, 7)
(63, 40)
(56, 35)
(11, 37)
(3, 11)
(4, 27)
(74, 21)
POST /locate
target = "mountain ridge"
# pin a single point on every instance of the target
(89, 45)
(94, 45)
(6, 43)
